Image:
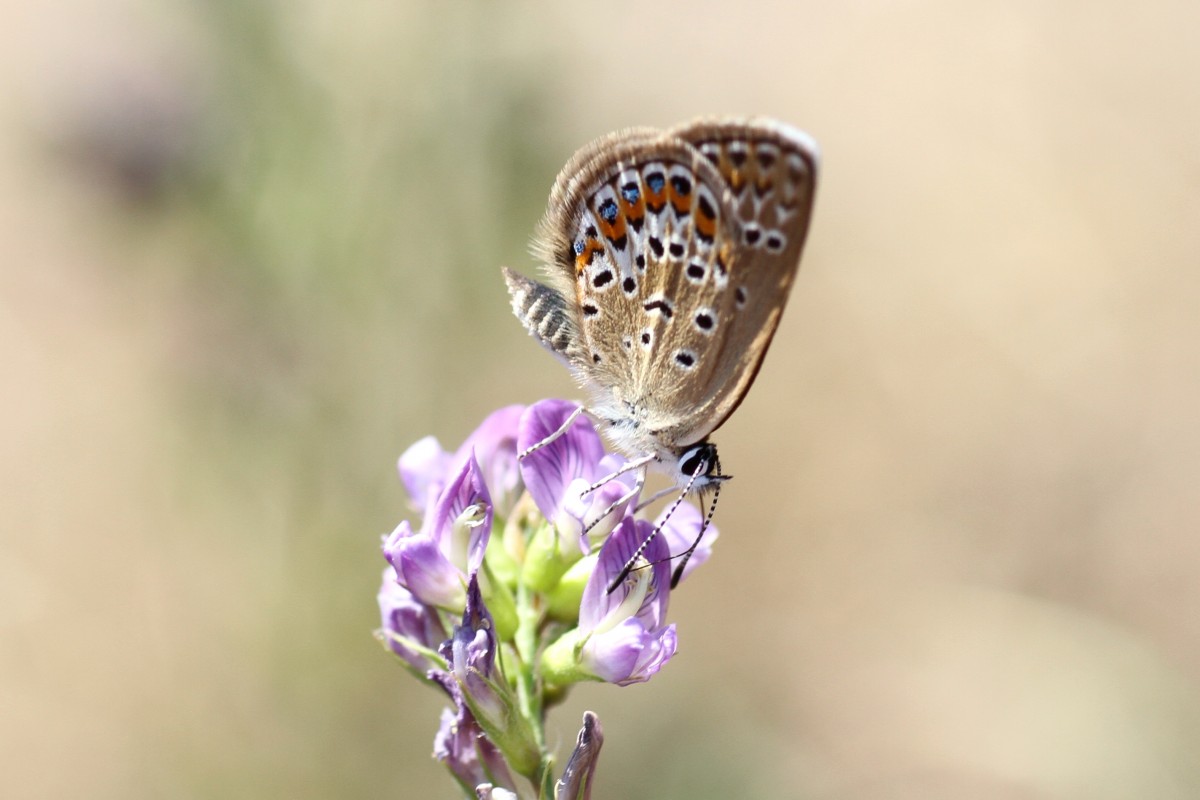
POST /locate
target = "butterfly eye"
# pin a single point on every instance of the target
(691, 465)
(698, 459)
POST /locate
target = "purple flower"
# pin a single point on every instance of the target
(404, 616)
(621, 636)
(471, 653)
(461, 745)
(559, 472)
(435, 563)
(423, 468)
(626, 639)
(558, 555)
(471, 738)
(494, 444)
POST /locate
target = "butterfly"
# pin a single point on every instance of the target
(669, 259)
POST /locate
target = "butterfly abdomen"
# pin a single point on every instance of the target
(543, 312)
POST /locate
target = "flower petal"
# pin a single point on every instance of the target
(461, 521)
(423, 570)
(494, 444)
(406, 616)
(629, 653)
(423, 468)
(550, 469)
(599, 608)
(471, 652)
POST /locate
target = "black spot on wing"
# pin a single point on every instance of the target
(661, 306)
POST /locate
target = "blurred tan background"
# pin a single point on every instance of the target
(250, 251)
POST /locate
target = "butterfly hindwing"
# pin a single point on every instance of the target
(770, 170)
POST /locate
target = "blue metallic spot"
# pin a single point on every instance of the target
(608, 210)
(656, 182)
(630, 192)
(579, 247)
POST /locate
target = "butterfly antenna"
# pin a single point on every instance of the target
(637, 554)
(687, 554)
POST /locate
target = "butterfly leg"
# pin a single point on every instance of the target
(566, 426)
(638, 463)
(638, 484)
(654, 498)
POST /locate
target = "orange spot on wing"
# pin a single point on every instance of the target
(678, 202)
(633, 211)
(585, 258)
(616, 229)
(654, 199)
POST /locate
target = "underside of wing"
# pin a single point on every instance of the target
(770, 170)
(670, 256)
(638, 231)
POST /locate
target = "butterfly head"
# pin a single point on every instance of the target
(699, 466)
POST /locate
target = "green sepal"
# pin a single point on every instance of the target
(499, 602)
(560, 661)
(512, 734)
(563, 601)
(546, 790)
(435, 660)
(545, 562)
(501, 564)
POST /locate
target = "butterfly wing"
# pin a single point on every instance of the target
(553, 313)
(639, 234)
(669, 256)
(770, 170)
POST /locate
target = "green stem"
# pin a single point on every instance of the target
(526, 639)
